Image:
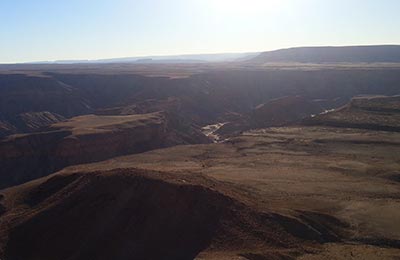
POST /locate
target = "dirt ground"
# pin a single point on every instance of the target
(350, 174)
(324, 177)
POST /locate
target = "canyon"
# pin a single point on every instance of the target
(237, 160)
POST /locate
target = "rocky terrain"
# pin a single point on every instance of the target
(139, 210)
(301, 192)
(376, 113)
(284, 111)
(277, 193)
(229, 161)
(204, 96)
(85, 139)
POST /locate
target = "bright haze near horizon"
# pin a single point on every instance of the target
(98, 29)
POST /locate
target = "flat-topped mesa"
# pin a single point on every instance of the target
(366, 112)
(342, 54)
(82, 139)
(95, 138)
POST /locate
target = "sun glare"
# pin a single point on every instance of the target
(246, 6)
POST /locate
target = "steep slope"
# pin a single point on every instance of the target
(274, 193)
(21, 93)
(353, 54)
(85, 139)
(277, 193)
(35, 121)
(29, 102)
(126, 213)
(284, 111)
(376, 113)
(6, 129)
(318, 174)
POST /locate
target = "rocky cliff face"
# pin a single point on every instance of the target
(20, 93)
(204, 98)
(284, 111)
(28, 102)
(83, 139)
(6, 129)
(374, 113)
(29, 122)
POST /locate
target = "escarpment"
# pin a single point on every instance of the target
(373, 113)
(83, 139)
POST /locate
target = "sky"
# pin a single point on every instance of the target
(47, 30)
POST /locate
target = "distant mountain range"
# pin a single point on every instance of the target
(378, 53)
(323, 54)
(185, 58)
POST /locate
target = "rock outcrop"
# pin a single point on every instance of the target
(204, 98)
(85, 139)
(374, 113)
(284, 111)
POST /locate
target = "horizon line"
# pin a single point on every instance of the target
(78, 61)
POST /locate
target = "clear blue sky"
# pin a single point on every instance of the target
(35, 30)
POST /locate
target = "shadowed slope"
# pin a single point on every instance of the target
(375, 113)
(127, 213)
(85, 139)
(379, 53)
